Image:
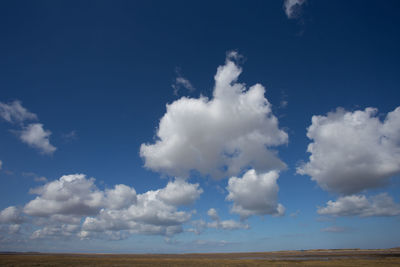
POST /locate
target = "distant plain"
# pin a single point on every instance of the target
(350, 257)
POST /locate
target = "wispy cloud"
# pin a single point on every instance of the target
(35, 136)
(181, 82)
(32, 134)
(14, 112)
(335, 229)
(293, 8)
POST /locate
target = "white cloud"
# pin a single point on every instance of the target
(14, 112)
(224, 225)
(255, 194)
(11, 215)
(219, 136)
(1, 164)
(153, 212)
(359, 205)
(213, 214)
(70, 195)
(62, 205)
(57, 231)
(293, 8)
(35, 136)
(120, 197)
(180, 192)
(353, 151)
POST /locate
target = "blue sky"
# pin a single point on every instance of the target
(186, 127)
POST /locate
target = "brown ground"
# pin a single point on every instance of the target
(351, 257)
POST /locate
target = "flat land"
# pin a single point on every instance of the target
(351, 257)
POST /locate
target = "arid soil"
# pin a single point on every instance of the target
(351, 257)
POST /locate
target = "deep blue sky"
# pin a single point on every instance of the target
(104, 69)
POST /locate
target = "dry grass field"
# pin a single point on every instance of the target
(389, 257)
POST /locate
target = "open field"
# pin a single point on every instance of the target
(351, 257)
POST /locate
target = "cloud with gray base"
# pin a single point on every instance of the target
(360, 205)
(73, 206)
(217, 223)
(353, 151)
(221, 136)
(12, 215)
(255, 194)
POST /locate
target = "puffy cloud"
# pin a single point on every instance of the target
(359, 205)
(293, 8)
(35, 136)
(121, 196)
(14, 112)
(224, 225)
(227, 225)
(255, 194)
(180, 192)
(213, 214)
(12, 215)
(64, 230)
(220, 136)
(70, 195)
(353, 151)
(153, 212)
(74, 206)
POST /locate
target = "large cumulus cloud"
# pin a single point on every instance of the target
(353, 151)
(219, 136)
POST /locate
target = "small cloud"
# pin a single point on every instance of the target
(360, 205)
(35, 177)
(70, 136)
(40, 179)
(255, 194)
(293, 8)
(295, 214)
(32, 134)
(35, 136)
(224, 225)
(181, 82)
(335, 229)
(1, 164)
(14, 112)
(8, 172)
